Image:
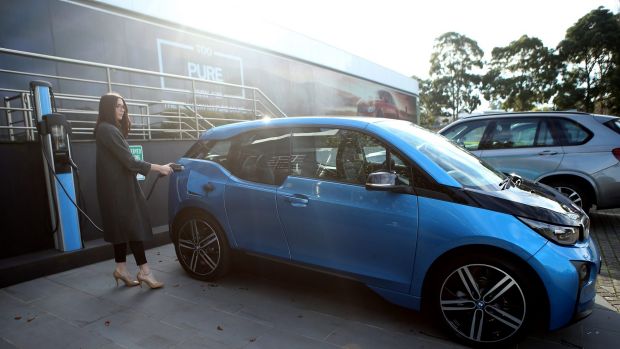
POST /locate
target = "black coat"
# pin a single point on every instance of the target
(121, 202)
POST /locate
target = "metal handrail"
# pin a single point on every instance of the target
(133, 70)
(259, 103)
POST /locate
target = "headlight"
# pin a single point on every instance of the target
(559, 234)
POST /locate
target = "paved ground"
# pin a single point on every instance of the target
(260, 305)
(606, 230)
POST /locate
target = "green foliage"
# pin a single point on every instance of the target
(590, 53)
(583, 73)
(430, 102)
(455, 63)
(521, 75)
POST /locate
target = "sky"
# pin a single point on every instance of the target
(400, 34)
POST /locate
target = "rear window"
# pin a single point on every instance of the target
(614, 124)
(573, 133)
(210, 150)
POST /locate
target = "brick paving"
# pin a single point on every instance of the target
(605, 226)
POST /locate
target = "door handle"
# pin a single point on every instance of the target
(296, 200)
(548, 152)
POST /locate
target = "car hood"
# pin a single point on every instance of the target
(531, 200)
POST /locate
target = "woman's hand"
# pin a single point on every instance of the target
(163, 170)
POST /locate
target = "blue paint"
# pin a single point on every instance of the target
(68, 213)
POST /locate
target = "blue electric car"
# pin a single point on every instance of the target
(419, 220)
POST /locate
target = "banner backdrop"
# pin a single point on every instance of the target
(106, 36)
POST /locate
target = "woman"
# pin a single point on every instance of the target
(121, 201)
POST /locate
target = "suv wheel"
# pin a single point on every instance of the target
(201, 247)
(575, 192)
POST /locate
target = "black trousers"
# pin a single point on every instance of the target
(137, 248)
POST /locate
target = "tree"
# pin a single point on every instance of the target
(430, 102)
(521, 75)
(454, 61)
(590, 51)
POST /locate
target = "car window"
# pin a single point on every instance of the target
(468, 135)
(342, 155)
(314, 151)
(544, 137)
(465, 168)
(261, 156)
(614, 124)
(210, 150)
(519, 133)
(572, 132)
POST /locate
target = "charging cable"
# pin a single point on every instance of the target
(51, 169)
(174, 167)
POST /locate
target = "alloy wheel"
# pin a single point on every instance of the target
(482, 303)
(571, 194)
(199, 247)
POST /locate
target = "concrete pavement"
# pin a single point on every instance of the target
(606, 230)
(260, 305)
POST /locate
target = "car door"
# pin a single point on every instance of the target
(525, 146)
(250, 196)
(332, 221)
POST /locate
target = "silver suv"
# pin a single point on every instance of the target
(577, 153)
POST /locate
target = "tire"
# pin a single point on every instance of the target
(201, 246)
(575, 192)
(483, 301)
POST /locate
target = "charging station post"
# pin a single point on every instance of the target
(58, 166)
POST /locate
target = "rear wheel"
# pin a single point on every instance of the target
(575, 192)
(483, 301)
(201, 246)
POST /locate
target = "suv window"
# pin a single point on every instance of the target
(572, 133)
(614, 124)
(342, 155)
(261, 156)
(519, 133)
(468, 135)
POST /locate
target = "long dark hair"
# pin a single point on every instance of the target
(107, 113)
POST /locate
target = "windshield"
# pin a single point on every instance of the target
(461, 165)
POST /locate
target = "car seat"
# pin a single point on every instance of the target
(351, 167)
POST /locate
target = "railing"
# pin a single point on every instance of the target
(161, 105)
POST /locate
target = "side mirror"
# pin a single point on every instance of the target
(386, 181)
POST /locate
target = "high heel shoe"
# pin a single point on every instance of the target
(124, 278)
(149, 280)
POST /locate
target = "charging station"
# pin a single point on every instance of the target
(55, 135)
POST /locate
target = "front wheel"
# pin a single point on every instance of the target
(483, 301)
(201, 247)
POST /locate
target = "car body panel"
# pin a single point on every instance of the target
(445, 226)
(526, 162)
(608, 187)
(371, 234)
(553, 265)
(187, 189)
(253, 217)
